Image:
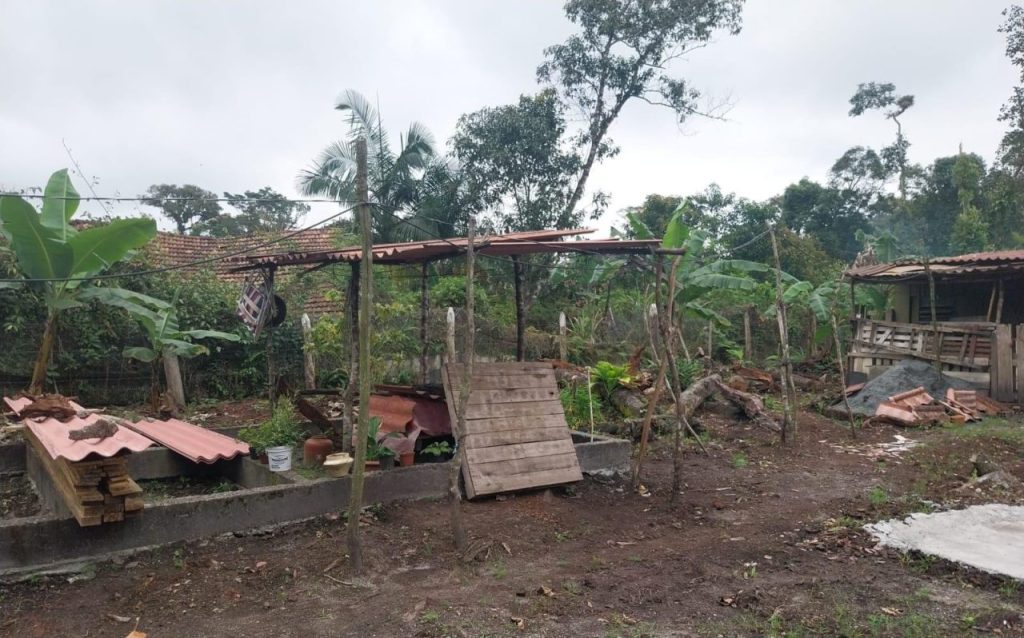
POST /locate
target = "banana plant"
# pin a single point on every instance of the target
(57, 260)
(160, 321)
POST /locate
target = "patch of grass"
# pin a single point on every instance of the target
(739, 460)
(178, 558)
(877, 496)
(1009, 589)
(919, 563)
(621, 626)
(310, 472)
(908, 625)
(561, 537)
(572, 587)
(499, 569)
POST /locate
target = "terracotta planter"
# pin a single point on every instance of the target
(316, 448)
(263, 458)
(372, 466)
(405, 459)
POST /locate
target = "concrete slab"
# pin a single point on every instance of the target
(987, 537)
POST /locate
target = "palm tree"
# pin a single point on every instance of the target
(400, 182)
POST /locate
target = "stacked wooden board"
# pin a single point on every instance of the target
(516, 436)
(95, 491)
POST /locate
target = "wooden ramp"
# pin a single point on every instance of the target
(516, 436)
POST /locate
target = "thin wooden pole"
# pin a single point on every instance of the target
(991, 303)
(355, 505)
(563, 338)
(936, 341)
(789, 424)
(349, 398)
(999, 304)
(711, 339)
(517, 277)
(271, 368)
(308, 358)
(424, 318)
(450, 337)
(654, 397)
(842, 374)
(455, 469)
(748, 334)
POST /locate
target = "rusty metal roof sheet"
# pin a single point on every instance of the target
(523, 243)
(195, 443)
(984, 263)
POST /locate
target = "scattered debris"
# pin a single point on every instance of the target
(102, 428)
(905, 375)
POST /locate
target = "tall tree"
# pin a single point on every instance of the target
(396, 177)
(1011, 149)
(184, 205)
(623, 52)
(260, 211)
(516, 163)
(883, 97)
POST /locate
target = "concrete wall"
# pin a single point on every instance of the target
(12, 458)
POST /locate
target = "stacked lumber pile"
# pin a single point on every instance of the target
(95, 491)
(917, 407)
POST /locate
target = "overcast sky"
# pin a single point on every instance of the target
(239, 95)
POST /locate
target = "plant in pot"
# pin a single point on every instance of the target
(437, 451)
(377, 454)
(275, 437)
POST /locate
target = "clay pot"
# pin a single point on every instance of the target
(315, 449)
(263, 458)
(406, 459)
(372, 466)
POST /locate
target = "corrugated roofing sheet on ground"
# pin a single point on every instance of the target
(195, 443)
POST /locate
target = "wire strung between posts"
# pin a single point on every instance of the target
(258, 200)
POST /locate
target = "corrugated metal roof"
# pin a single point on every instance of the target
(195, 443)
(992, 262)
(524, 243)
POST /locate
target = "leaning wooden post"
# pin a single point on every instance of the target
(308, 358)
(655, 396)
(936, 341)
(454, 492)
(842, 374)
(789, 425)
(450, 340)
(563, 341)
(355, 504)
(517, 278)
(424, 318)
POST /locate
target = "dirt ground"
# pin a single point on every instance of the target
(764, 540)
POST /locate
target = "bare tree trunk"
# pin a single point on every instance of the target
(789, 424)
(936, 341)
(455, 470)
(349, 398)
(175, 388)
(308, 358)
(563, 341)
(748, 335)
(38, 384)
(355, 505)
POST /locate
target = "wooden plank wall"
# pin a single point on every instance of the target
(516, 436)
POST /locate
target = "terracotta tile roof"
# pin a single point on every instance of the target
(195, 443)
(992, 262)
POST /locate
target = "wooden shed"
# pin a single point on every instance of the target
(975, 328)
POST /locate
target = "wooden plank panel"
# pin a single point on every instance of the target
(1018, 363)
(1002, 380)
(521, 395)
(481, 369)
(492, 485)
(527, 451)
(537, 408)
(500, 469)
(510, 437)
(501, 424)
(509, 381)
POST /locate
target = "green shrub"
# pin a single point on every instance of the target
(607, 377)
(577, 403)
(689, 371)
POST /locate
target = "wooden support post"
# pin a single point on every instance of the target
(563, 338)
(454, 492)
(424, 318)
(655, 395)
(271, 368)
(991, 303)
(308, 358)
(936, 341)
(999, 303)
(748, 337)
(355, 506)
(517, 276)
(175, 388)
(711, 340)
(789, 421)
(450, 340)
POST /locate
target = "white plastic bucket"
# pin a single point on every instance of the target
(279, 458)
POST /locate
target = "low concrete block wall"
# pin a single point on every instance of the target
(12, 458)
(602, 455)
(40, 540)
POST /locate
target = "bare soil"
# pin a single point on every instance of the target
(17, 498)
(764, 540)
